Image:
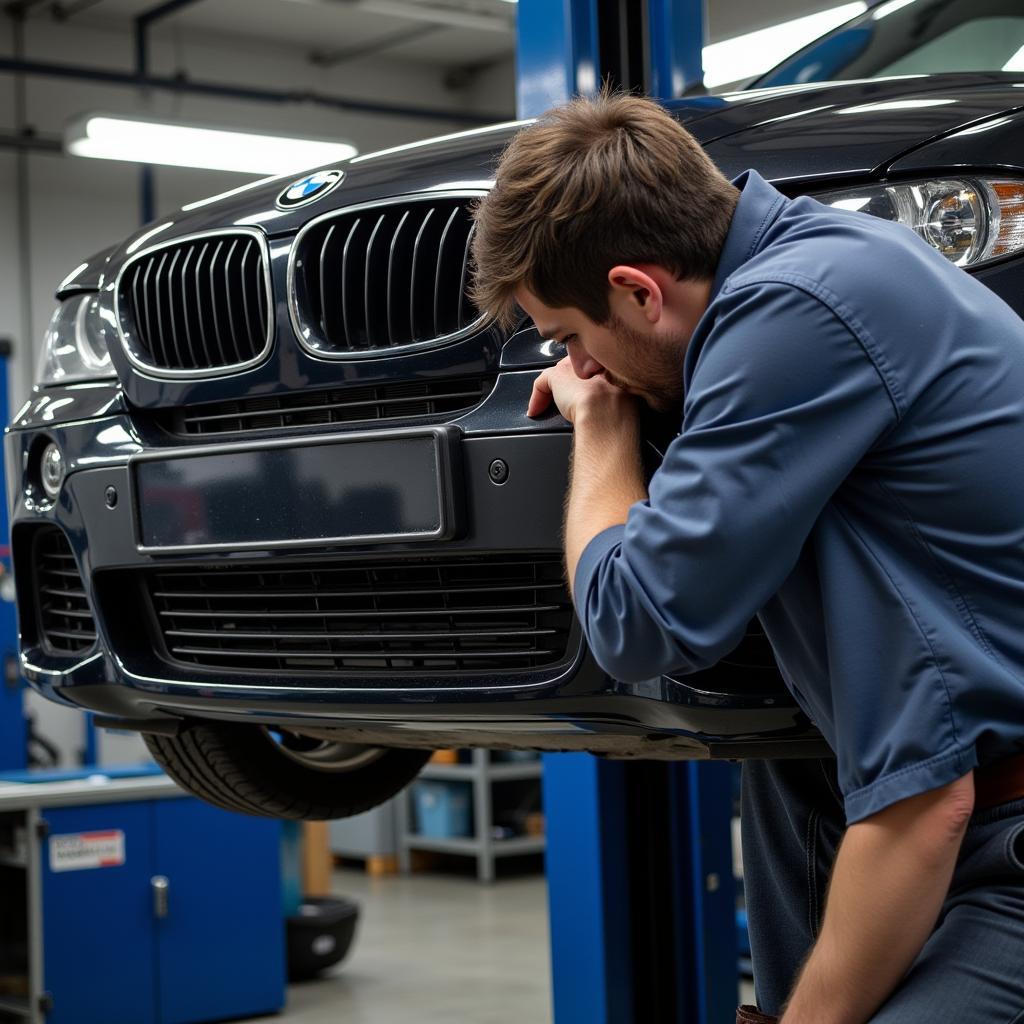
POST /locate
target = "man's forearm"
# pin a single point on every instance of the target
(889, 880)
(607, 476)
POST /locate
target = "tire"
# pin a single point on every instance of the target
(247, 768)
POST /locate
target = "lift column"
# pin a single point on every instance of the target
(639, 860)
(13, 724)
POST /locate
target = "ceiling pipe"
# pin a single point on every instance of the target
(170, 83)
(331, 58)
(28, 142)
(451, 17)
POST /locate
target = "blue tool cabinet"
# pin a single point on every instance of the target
(140, 905)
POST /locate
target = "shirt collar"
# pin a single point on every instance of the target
(758, 206)
(756, 210)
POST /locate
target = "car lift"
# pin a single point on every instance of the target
(13, 724)
(639, 860)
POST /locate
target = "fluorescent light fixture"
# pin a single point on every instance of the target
(756, 52)
(112, 137)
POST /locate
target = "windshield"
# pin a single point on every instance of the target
(912, 37)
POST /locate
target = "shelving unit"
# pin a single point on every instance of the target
(481, 773)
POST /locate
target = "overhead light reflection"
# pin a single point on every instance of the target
(873, 108)
(884, 10)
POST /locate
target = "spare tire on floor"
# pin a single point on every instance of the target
(258, 770)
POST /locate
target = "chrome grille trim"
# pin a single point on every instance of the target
(207, 254)
(364, 325)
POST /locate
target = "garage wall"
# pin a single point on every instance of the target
(78, 206)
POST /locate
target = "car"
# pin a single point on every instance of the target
(276, 503)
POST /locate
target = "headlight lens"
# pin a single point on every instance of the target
(968, 220)
(75, 346)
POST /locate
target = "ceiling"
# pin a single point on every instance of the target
(446, 33)
(441, 32)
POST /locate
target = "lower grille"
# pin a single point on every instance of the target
(369, 404)
(497, 613)
(66, 625)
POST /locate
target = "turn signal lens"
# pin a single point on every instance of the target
(1009, 235)
(968, 220)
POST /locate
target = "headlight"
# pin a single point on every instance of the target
(969, 220)
(75, 346)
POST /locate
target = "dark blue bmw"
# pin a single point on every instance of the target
(276, 503)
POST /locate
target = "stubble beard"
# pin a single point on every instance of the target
(657, 374)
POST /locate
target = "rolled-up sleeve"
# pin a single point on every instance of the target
(786, 397)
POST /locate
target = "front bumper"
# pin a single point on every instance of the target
(733, 710)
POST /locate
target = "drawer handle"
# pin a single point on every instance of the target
(161, 888)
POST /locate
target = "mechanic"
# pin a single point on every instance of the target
(849, 470)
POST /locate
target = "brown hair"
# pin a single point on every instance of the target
(614, 179)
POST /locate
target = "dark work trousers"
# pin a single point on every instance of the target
(970, 971)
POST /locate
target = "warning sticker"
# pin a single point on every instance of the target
(80, 850)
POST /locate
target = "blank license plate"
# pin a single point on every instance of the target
(364, 488)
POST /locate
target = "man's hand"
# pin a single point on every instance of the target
(607, 475)
(570, 393)
(889, 880)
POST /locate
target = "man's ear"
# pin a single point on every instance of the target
(634, 294)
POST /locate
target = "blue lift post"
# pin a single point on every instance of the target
(639, 859)
(13, 726)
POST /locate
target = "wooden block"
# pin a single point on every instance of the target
(382, 864)
(317, 861)
(422, 860)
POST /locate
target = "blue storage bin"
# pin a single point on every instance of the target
(442, 808)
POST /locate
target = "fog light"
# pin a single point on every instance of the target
(51, 470)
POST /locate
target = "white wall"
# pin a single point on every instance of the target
(78, 206)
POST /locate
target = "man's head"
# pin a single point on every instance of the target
(605, 224)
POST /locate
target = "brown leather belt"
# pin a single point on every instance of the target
(999, 782)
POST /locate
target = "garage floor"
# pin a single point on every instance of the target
(436, 949)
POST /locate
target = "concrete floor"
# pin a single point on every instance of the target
(436, 949)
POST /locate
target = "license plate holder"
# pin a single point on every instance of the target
(370, 487)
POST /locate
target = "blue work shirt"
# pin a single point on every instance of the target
(850, 469)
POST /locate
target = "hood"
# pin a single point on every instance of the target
(821, 130)
(87, 276)
(850, 129)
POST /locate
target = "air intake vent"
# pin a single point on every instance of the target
(66, 625)
(497, 613)
(389, 276)
(197, 306)
(378, 403)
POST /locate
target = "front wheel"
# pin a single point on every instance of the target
(276, 774)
